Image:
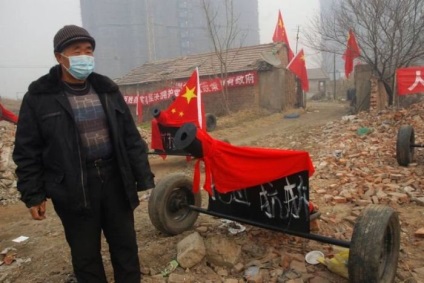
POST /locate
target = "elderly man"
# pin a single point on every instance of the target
(77, 144)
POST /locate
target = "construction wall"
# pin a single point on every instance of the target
(238, 98)
(363, 75)
(146, 88)
(275, 91)
(378, 98)
(371, 94)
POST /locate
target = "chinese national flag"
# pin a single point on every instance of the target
(8, 115)
(298, 67)
(410, 80)
(186, 108)
(280, 35)
(352, 52)
(139, 110)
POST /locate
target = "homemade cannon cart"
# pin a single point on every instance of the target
(278, 204)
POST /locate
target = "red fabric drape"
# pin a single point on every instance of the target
(232, 168)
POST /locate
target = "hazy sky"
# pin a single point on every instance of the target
(27, 28)
(296, 13)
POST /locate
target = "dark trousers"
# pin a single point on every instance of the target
(111, 213)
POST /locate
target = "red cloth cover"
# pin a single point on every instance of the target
(231, 168)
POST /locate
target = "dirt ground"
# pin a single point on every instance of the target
(45, 256)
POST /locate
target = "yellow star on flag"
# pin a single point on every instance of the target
(280, 23)
(189, 94)
(302, 57)
(173, 110)
(181, 114)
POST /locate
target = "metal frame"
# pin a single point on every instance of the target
(310, 236)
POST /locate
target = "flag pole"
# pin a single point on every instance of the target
(395, 93)
(297, 37)
(334, 76)
(300, 91)
(199, 99)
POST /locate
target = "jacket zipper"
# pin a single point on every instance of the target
(81, 167)
(80, 160)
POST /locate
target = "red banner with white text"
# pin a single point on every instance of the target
(410, 80)
(207, 86)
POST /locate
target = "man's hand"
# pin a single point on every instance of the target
(38, 211)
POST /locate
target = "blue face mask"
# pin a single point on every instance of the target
(81, 66)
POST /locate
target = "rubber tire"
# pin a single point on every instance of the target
(404, 151)
(292, 116)
(210, 122)
(375, 244)
(153, 211)
(162, 204)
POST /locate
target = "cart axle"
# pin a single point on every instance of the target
(417, 145)
(310, 236)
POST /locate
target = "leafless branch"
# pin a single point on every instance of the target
(390, 33)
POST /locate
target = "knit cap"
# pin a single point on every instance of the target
(69, 34)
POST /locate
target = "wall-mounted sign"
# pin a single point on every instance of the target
(207, 86)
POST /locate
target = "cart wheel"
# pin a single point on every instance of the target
(168, 210)
(374, 248)
(210, 122)
(404, 150)
(153, 211)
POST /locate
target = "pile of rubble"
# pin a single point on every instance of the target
(8, 192)
(355, 161)
(358, 156)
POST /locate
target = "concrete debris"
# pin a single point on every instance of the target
(8, 191)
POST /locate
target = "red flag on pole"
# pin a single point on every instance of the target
(280, 35)
(352, 52)
(186, 108)
(8, 115)
(410, 80)
(298, 67)
(139, 109)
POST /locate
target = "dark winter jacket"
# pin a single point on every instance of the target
(48, 151)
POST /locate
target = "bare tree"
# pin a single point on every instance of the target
(390, 33)
(224, 35)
